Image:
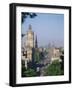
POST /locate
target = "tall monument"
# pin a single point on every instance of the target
(30, 38)
(29, 43)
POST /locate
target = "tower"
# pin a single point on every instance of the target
(30, 37)
(36, 43)
(30, 43)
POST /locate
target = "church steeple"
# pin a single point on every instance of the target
(30, 27)
(36, 43)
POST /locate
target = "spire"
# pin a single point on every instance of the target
(30, 27)
(36, 43)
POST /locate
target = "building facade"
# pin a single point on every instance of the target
(29, 45)
(54, 53)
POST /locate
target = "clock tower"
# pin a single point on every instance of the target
(29, 43)
(30, 38)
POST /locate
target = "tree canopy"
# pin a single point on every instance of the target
(27, 14)
(54, 69)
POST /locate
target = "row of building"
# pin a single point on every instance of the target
(31, 43)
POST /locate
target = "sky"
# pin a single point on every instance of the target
(48, 27)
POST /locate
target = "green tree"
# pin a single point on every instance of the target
(27, 14)
(54, 69)
(36, 57)
(29, 72)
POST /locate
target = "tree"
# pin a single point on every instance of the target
(54, 69)
(62, 62)
(41, 55)
(26, 14)
(28, 72)
(36, 56)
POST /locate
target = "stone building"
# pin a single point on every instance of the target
(30, 43)
(54, 53)
(30, 38)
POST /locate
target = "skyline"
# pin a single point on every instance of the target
(49, 28)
